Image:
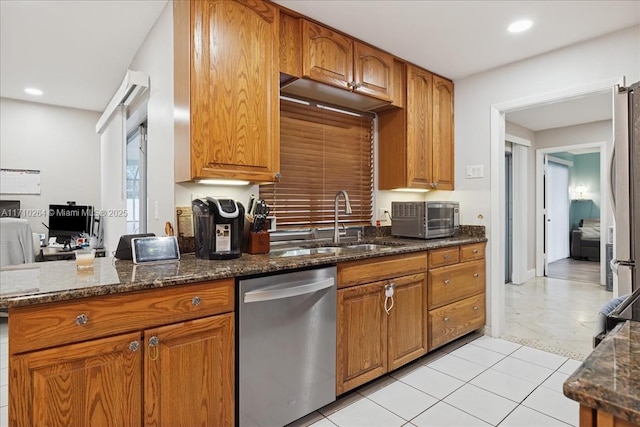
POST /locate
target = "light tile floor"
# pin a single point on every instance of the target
(555, 315)
(475, 380)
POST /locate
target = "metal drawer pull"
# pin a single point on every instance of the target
(195, 301)
(81, 319)
(447, 281)
(476, 275)
(475, 307)
(134, 346)
(153, 347)
(475, 251)
(446, 319)
(446, 256)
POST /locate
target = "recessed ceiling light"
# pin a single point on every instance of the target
(520, 26)
(33, 91)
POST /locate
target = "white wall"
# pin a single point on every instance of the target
(604, 58)
(60, 142)
(155, 57)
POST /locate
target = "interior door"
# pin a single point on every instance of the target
(545, 218)
(557, 211)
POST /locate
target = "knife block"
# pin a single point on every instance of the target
(259, 243)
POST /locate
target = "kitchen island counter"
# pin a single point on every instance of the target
(608, 381)
(39, 283)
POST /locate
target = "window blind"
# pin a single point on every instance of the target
(322, 151)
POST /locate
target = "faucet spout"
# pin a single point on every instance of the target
(347, 210)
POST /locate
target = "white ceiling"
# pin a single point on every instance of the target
(575, 111)
(78, 51)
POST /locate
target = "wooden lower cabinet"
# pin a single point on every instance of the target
(160, 371)
(95, 383)
(590, 417)
(408, 321)
(361, 334)
(181, 362)
(454, 320)
(372, 342)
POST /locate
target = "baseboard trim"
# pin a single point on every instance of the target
(530, 274)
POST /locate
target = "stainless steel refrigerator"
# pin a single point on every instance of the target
(625, 194)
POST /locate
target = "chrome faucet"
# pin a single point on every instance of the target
(347, 210)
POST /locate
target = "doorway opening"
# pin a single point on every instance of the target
(508, 191)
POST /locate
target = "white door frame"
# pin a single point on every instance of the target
(497, 138)
(519, 243)
(604, 202)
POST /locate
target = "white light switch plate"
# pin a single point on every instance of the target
(474, 171)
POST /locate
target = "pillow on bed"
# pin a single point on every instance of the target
(590, 233)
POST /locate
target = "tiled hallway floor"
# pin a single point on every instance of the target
(476, 381)
(554, 314)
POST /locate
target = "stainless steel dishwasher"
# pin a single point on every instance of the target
(286, 346)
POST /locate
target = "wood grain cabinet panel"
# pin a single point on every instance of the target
(443, 257)
(454, 320)
(408, 338)
(233, 97)
(358, 272)
(451, 283)
(189, 373)
(416, 143)
(49, 325)
(472, 252)
(335, 59)
(96, 383)
(327, 56)
(361, 336)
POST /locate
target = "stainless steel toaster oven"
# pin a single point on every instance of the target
(425, 220)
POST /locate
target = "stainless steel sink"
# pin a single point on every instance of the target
(327, 250)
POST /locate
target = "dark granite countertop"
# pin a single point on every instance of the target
(609, 378)
(44, 282)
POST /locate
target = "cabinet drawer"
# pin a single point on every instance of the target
(48, 325)
(472, 252)
(454, 320)
(356, 272)
(452, 283)
(442, 257)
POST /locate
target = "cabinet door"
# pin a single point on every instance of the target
(373, 71)
(326, 55)
(361, 335)
(189, 373)
(408, 320)
(442, 163)
(419, 135)
(235, 110)
(95, 383)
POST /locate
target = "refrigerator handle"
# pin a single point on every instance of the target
(612, 179)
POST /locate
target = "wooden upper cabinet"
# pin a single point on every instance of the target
(332, 58)
(443, 173)
(327, 56)
(416, 143)
(373, 71)
(419, 127)
(233, 96)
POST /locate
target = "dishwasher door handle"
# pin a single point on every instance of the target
(287, 292)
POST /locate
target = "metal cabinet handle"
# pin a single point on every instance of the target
(446, 319)
(447, 281)
(358, 85)
(195, 301)
(153, 347)
(134, 346)
(446, 256)
(475, 251)
(476, 275)
(81, 319)
(475, 307)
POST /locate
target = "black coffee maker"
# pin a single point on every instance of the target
(218, 226)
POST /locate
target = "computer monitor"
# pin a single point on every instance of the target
(69, 221)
